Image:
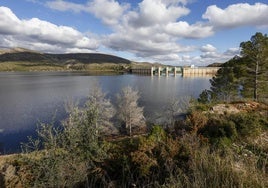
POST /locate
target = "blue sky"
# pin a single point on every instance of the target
(178, 32)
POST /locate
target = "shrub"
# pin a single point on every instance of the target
(247, 124)
(71, 156)
(217, 128)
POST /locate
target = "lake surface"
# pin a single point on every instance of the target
(29, 98)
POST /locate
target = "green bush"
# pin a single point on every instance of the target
(218, 128)
(246, 124)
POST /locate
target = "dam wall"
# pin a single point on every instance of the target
(184, 71)
(188, 71)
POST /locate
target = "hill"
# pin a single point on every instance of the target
(215, 65)
(20, 59)
(85, 58)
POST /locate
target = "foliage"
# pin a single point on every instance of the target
(196, 120)
(219, 131)
(242, 77)
(204, 97)
(256, 50)
(247, 124)
(72, 155)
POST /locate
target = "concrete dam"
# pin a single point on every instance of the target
(184, 71)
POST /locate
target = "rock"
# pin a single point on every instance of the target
(224, 108)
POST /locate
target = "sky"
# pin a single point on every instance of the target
(175, 32)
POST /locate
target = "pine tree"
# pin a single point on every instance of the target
(256, 51)
(245, 76)
(223, 86)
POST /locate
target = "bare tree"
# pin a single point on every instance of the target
(98, 104)
(128, 112)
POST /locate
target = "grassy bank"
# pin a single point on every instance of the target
(43, 66)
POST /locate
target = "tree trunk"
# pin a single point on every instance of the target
(130, 130)
(256, 81)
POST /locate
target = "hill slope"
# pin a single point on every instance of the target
(85, 58)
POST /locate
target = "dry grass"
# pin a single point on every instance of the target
(29, 66)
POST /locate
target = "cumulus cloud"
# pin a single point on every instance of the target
(242, 14)
(40, 34)
(231, 52)
(152, 12)
(143, 48)
(65, 6)
(155, 28)
(175, 2)
(184, 30)
(208, 48)
(8, 21)
(211, 55)
(152, 30)
(109, 11)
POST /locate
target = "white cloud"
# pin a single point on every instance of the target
(176, 2)
(40, 34)
(152, 30)
(167, 58)
(208, 48)
(232, 52)
(65, 6)
(109, 11)
(242, 14)
(152, 12)
(79, 50)
(183, 30)
(144, 42)
(8, 21)
(211, 55)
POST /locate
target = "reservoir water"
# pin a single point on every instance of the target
(29, 98)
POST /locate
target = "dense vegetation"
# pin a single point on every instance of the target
(100, 145)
